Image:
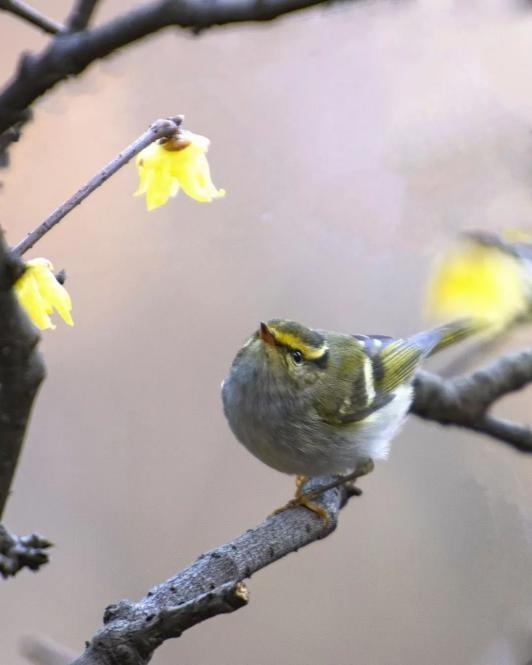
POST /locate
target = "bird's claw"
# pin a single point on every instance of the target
(303, 501)
(308, 500)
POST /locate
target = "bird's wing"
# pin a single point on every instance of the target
(400, 358)
(360, 395)
(388, 364)
(397, 363)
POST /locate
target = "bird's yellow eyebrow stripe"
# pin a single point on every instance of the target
(295, 342)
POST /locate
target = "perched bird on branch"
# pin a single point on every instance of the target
(313, 402)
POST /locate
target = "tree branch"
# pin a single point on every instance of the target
(465, 401)
(81, 15)
(70, 54)
(159, 129)
(514, 434)
(211, 585)
(31, 15)
(17, 552)
(21, 371)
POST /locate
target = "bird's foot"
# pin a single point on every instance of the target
(308, 500)
(300, 481)
(304, 501)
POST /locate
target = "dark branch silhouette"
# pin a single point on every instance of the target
(21, 371)
(69, 54)
(17, 552)
(81, 15)
(466, 400)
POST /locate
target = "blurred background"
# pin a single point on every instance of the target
(354, 141)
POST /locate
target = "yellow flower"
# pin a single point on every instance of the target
(39, 293)
(481, 277)
(166, 167)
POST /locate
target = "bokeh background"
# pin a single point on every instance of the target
(354, 141)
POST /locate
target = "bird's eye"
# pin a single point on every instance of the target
(297, 356)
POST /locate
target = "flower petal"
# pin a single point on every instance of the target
(54, 294)
(39, 293)
(194, 175)
(160, 189)
(163, 170)
(27, 291)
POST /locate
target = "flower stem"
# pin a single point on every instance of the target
(158, 130)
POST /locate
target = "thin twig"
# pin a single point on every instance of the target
(211, 585)
(80, 15)
(31, 15)
(159, 129)
(18, 552)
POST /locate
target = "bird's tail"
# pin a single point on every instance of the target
(399, 359)
(432, 341)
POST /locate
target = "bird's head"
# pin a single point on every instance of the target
(285, 351)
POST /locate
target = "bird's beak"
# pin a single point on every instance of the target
(266, 334)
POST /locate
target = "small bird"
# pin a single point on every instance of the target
(314, 402)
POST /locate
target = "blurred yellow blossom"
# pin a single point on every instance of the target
(177, 163)
(483, 277)
(39, 293)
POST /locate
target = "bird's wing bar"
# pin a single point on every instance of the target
(401, 358)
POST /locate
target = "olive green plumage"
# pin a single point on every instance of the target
(312, 402)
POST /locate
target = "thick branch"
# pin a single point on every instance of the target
(211, 585)
(17, 552)
(159, 129)
(70, 54)
(31, 15)
(21, 371)
(465, 401)
(81, 15)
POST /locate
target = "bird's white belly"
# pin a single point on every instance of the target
(374, 436)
